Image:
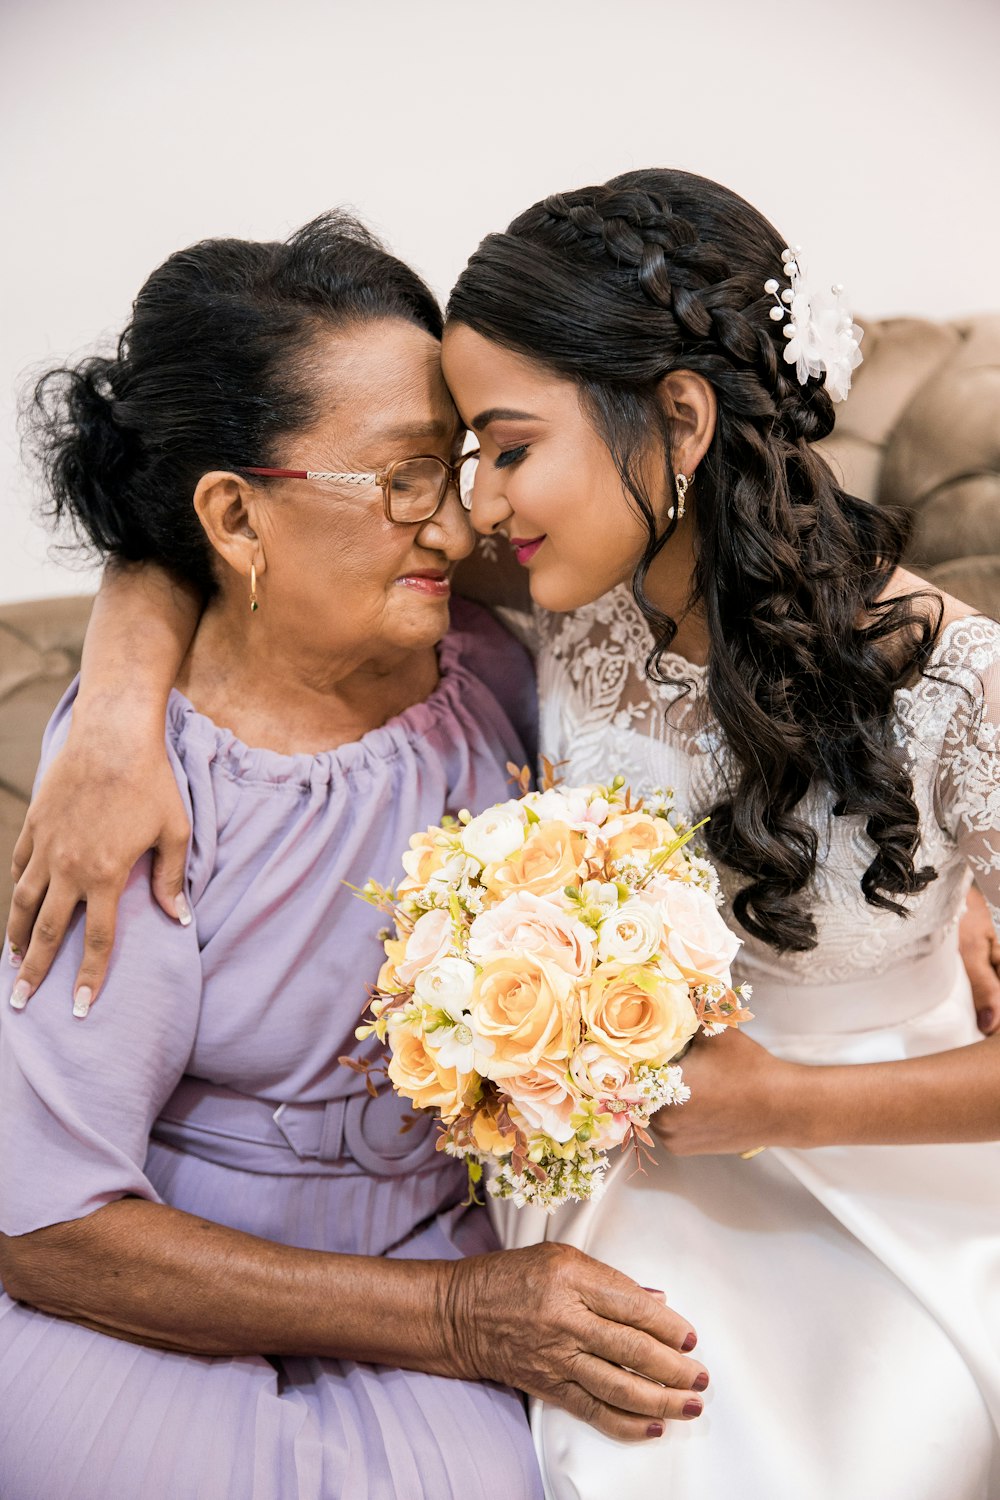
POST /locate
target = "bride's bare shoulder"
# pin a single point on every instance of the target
(931, 600)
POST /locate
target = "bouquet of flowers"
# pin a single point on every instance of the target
(549, 961)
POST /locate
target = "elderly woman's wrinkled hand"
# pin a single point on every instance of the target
(551, 1321)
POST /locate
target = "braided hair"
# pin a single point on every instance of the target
(614, 287)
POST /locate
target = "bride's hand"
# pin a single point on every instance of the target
(552, 1321)
(741, 1098)
(980, 950)
(105, 799)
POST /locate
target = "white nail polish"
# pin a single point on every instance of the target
(82, 1001)
(183, 910)
(20, 994)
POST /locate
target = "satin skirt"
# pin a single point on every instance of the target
(847, 1299)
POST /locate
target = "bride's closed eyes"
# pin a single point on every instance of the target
(507, 457)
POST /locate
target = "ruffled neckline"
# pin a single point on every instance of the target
(188, 726)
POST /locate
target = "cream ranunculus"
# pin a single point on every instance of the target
(523, 1005)
(417, 1073)
(697, 939)
(637, 1013)
(547, 861)
(430, 940)
(631, 934)
(598, 1074)
(495, 834)
(447, 985)
(525, 923)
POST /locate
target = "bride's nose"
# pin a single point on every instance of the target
(489, 510)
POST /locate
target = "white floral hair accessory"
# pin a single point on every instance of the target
(822, 336)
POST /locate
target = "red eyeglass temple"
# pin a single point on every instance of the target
(277, 473)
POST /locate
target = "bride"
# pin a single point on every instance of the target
(646, 368)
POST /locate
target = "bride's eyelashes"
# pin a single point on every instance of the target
(510, 456)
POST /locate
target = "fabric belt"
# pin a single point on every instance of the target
(359, 1136)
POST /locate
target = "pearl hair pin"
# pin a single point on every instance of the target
(822, 337)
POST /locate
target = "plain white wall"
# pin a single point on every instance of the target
(866, 129)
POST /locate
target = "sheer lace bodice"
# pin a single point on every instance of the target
(601, 715)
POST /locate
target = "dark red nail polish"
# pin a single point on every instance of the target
(655, 1291)
(655, 1429)
(985, 1019)
(692, 1408)
(700, 1382)
(689, 1342)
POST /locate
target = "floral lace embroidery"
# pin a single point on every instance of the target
(600, 714)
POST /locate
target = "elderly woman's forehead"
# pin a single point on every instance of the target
(386, 379)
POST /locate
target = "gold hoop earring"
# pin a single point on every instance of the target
(254, 606)
(681, 483)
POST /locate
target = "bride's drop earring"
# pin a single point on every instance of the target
(253, 589)
(681, 482)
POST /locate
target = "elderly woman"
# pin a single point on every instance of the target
(227, 1270)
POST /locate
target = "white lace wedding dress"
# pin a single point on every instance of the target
(847, 1299)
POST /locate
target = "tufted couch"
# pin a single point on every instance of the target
(921, 429)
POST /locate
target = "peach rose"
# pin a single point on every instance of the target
(487, 1134)
(547, 860)
(522, 1005)
(388, 980)
(524, 923)
(420, 861)
(637, 835)
(639, 1014)
(543, 1098)
(697, 939)
(416, 1073)
(430, 940)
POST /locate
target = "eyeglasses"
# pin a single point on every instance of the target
(413, 489)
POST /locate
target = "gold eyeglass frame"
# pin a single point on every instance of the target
(383, 478)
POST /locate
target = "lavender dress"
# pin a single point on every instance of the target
(207, 1078)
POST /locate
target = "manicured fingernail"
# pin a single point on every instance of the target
(14, 957)
(82, 1001)
(689, 1342)
(655, 1429)
(700, 1382)
(985, 1018)
(654, 1291)
(183, 910)
(20, 994)
(693, 1408)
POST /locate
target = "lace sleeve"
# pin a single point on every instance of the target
(968, 788)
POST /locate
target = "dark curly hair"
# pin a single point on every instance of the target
(212, 369)
(614, 287)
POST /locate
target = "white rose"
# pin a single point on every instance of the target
(495, 834)
(698, 940)
(630, 935)
(599, 1075)
(430, 940)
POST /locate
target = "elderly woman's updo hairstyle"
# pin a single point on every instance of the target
(212, 370)
(613, 287)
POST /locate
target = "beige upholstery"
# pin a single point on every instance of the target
(40, 646)
(921, 429)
